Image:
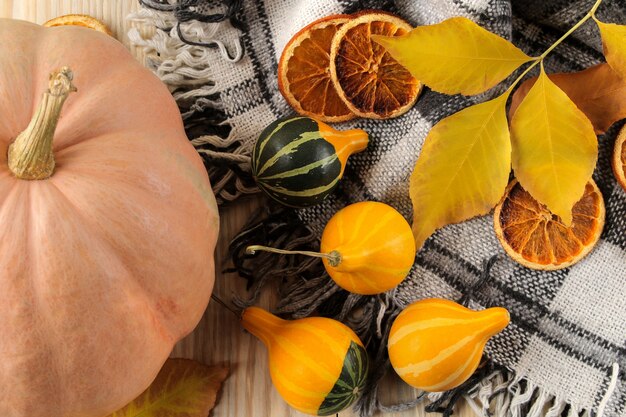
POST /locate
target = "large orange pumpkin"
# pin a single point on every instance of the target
(106, 236)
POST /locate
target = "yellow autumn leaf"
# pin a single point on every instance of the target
(597, 91)
(183, 388)
(554, 147)
(463, 168)
(614, 44)
(455, 56)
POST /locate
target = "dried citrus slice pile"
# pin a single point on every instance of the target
(619, 158)
(79, 20)
(303, 72)
(368, 79)
(332, 70)
(534, 237)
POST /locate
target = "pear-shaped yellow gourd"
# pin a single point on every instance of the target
(367, 248)
(318, 365)
(436, 345)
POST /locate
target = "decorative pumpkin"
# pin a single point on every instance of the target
(299, 161)
(436, 345)
(108, 224)
(367, 248)
(318, 365)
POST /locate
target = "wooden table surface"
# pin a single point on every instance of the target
(218, 338)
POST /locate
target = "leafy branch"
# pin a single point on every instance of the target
(464, 165)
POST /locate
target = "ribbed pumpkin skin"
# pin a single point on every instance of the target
(436, 345)
(109, 262)
(318, 365)
(376, 245)
(299, 161)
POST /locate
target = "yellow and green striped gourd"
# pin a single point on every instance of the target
(367, 248)
(436, 345)
(299, 161)
(318, 365)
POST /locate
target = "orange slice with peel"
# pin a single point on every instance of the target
(303, 72)
(370, 82)
(79, 20)
(619, 158)
(536, 238)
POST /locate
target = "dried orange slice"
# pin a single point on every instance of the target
(536, 238)
(79, 20)
(303, 72)
(619, 158)
(367, 78)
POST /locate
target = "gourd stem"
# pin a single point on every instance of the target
(261, 323)
(498, 318)
(30, 156)
(334, 257)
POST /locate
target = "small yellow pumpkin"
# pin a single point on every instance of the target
(367, 248)
(436, 345)
(318, 365)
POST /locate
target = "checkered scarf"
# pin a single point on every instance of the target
(567, 339)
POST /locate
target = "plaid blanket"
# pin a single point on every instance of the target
(565, 349)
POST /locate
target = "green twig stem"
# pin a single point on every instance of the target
(539, 59)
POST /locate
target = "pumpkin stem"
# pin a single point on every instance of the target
(30, 155)
(334, 257)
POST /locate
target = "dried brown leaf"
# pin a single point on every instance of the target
(599, 92)
(183, 388)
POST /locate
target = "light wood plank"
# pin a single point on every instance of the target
(111, 12)
(218, 338)
(6, 8)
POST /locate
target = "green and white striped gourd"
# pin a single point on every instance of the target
(298, 161)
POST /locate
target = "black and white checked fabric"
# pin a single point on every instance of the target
(568, 327)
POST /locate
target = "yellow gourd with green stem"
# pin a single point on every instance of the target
(367, 248)
(318, 365)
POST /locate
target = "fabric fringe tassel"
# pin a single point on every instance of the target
(496, 391)
(177, 39)
(305, 289)
(279, 227)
